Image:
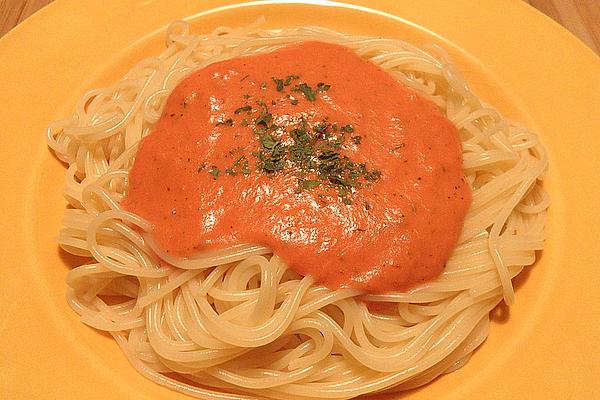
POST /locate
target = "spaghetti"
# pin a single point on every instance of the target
(237, 322)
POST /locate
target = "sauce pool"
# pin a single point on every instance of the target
(345, 173)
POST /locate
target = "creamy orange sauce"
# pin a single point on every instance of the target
(391, 232)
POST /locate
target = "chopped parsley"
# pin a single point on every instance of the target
(281, 83)
(347, 128)
(245, 108)
(278, 83)
(289, 78)
(314, 158)
(307, 91)
(215, 172)
(307, 184)
(311, 152)
(268, 142)
(240, 166)
(372, 175)
(264, 117)
(321, 128)
(322, 87)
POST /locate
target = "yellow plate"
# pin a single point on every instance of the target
(546, 346)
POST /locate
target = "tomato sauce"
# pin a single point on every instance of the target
(314, 152)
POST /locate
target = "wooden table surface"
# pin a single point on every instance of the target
(581, 17)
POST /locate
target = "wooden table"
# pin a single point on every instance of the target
(581, 17)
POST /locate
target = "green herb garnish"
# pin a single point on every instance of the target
(240, 110)
(289, 78)
(240, 166)
(347, 128)
(215, 172)
(322, 87)
(268, 142)
(278, 84)
(373, 175)
(264, 117)
(312, 153)
(304, 184)
(307, 91)
(321, 127)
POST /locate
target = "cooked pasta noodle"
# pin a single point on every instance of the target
(237, 323)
